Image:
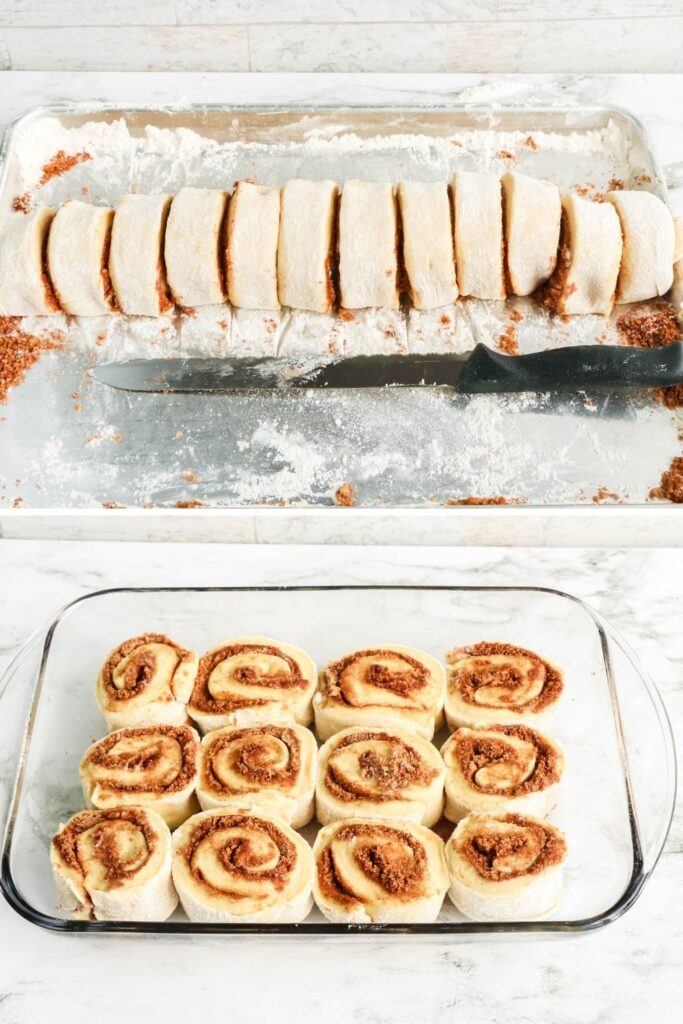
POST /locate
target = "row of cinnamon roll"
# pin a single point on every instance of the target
(359, 772)
(241, 865)
(151, 680)
(376, 785)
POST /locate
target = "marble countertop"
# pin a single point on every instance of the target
(655, 99)
(604, 976)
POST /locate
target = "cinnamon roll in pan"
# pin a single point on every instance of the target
(152, 766)
(242, 864)
(505, 867)
(25, 288)
(500, 684)
(375, 871)
(500, 768)
(193, 247)
(270, 766)
(136, 262)
(146, 680)
(115, 865)
(381, 687)
(250, 680)
(379, 773)
(648, 234)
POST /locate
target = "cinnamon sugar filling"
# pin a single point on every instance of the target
(203, 700)
(539, 846)
(388, 774)
(405, 683)
(117, 871)
(476, 751)
(393, 859)
(248, 754)
(147, 759)
(487, 673)
(141, 667)
(238, 856)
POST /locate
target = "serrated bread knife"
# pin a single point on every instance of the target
(481, 371)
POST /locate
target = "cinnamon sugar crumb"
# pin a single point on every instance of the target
(190, 504)
(19, 350)
(345, 496)
(615, 185)
(190, 477)
(507, 342)
(495, 500)
(346, 314)
(112, 504)
(603, 495)
(530, 141)
(60, 163)
(647, 325)
(671, 486)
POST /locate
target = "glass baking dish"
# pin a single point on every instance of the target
(618, 795)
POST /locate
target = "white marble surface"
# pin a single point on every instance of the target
(349, 35)
(655, 99)
(611, 975)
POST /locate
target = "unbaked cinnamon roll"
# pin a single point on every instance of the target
(115, 865)
(250, 680)
(152, 766)
(269, 766)
(146, 681)
(379, 871)
(381, 686)
(501, 768)
(505, 867)
(501, 684)
(241, 865)
(379, 773)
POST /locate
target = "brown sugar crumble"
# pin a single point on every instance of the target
(507, 342)
(345, 496)
(671, 486)
(190, 504)
(646, 325)
(190, 477)
(19, 350)
(603, 495)
(615, 185)
(497, 499)
(671, 397)
(530, 142)
(60, 163)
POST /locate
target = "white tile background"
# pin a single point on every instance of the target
(349, 35)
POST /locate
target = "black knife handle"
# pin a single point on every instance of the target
(571, 369)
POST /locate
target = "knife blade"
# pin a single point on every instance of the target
(481, 371)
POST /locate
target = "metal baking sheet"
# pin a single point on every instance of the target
(65, 443)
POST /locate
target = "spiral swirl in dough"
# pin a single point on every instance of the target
(492, 683)
(381, 686)
(250, 680)
(146, 680)
(505, 867)
(270, 766)
(501, 768)
(379, 773)
(152, 766)
(242, 865)
(382, 871)
(115, 865)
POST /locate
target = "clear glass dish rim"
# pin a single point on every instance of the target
(639, 871)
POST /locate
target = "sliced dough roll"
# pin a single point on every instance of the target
(136, 263)
(368, 266)
(269, 766)
(501, 768)
(379, 773)
(78, 259)
(250, 680)
(146, 680)
(478, 231)
(25, 288)
(115, 865)
(193, 247)
(152, 766)
(585, 278)
(647, 229)
(532, 210)
(428, 257)
(370, 870)
(242, 865)
(253, 227)
(505, 867)
(492, 683)
(677, 288)
(381, 687)
(304, 255)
